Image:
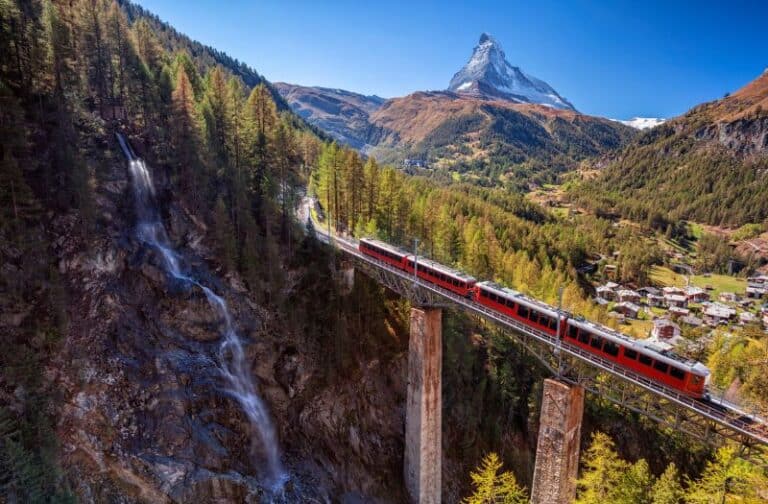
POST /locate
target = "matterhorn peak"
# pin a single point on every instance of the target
(488, 74)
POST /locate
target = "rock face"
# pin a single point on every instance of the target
(145, 416)
(488, 74)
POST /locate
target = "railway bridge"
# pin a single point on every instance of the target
(574, 370)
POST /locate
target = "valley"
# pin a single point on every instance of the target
(188, 313)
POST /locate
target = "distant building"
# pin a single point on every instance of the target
(630, 310)
(649, 291)
(716, 314)
(606, 292)
(628, 296)
(747, 318)
(415, 163)
(696, 294)
(655, 300)
(673, 290)
(692, 321)
(665, 330)
(677, 311)
(610, 270)
(676, 299)
(728, 297)
(756, 292)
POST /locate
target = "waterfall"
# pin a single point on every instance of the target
(231, 355)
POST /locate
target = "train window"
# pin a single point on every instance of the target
(492, 296)
(533, 316)
(584, 337)
(522, 311)
(573, 331)
(544, 320)
(644, 359)
(611, 348)
(483, 294)
(630, 354)
(596, 342)
(661, 366)
(677, 373)
(552, 324)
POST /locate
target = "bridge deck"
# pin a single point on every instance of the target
(728, 416)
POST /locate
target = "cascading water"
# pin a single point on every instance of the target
(231, 356)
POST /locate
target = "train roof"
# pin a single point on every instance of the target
(423, 261)
(641, 346)
(519, 297)
(384, 245)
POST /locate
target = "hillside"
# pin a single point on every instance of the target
(491, 139)
(708, 165)
(342, 114)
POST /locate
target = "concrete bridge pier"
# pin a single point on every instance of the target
(557, 451)
(423, 414)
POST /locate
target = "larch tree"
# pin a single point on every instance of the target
(494, 486)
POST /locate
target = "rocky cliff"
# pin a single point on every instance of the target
(144, 415)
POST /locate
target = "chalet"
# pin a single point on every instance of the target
(677, 311)
(696, 294)
(728, 297)
(716, 313)
(610, 270)
(756, 292)
(673, 290)
(627, 295)
(655, 300)
(665, 330)
(678, 300)
(747, 318)
(692, 321)
(649, 291)
(630, 310)
(605, 292)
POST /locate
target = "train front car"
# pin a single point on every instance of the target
(664, 367)
(383, 252)
(440, 275)
(533, 313)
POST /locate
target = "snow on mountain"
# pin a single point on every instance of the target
(642, 123)
(489, 74)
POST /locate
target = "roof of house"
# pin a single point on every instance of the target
(719, 311)
(691, 320)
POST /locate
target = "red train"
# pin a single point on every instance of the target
(687, 376)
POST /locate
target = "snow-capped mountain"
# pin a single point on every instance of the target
(642, 123)
(489, 74)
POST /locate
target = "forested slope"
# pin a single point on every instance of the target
(710, 165)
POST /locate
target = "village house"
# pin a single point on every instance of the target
(628, 295)
(747, 318)
(716, 313)
(692, 321)
(678, 300)
(673, 290)
(655, 300)
(665, 330)
(606, 292)
(756, 292)
(728, 297)
(696, 294)
(677, 311)
(649, 291)
(630, 310)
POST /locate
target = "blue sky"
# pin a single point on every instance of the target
(613, 58)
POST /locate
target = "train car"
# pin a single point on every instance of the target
(687, 376)
(383, 252)
(443, 276)
(518, 306)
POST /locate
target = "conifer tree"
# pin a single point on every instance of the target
(494, 487)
